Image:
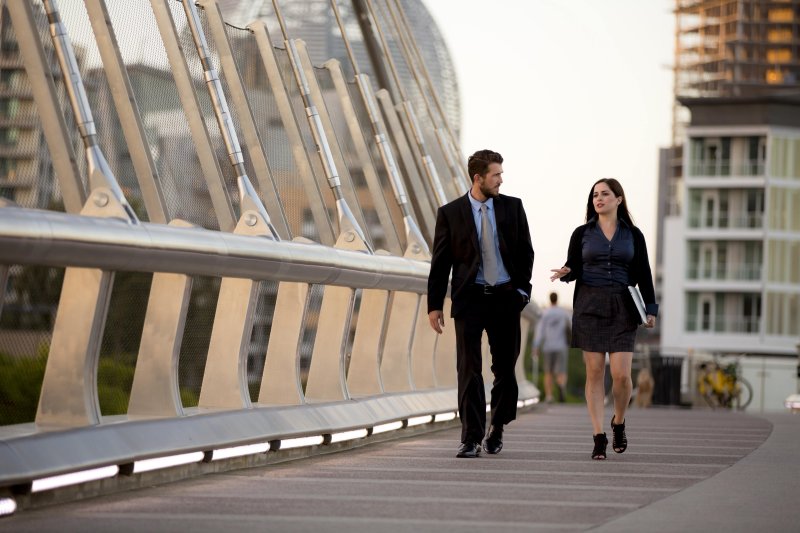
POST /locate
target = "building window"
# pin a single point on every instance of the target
(755, 208)
(691, 311)
(781, 15)
(705, 323)
(780, 55)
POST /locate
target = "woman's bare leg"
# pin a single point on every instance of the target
(622, 385)
(595, 391)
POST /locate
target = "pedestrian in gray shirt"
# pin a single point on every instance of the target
(552, 343)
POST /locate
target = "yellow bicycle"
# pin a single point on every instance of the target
(722, 386)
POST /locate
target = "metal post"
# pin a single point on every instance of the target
(424, 202)
(263, 175)
(194, 116)
(426, 160)
(281, 382)
(364, 374)
(129, 117)
(364, 159)
(350, 233)
(106, 198)
(396, 363)
(456, 174)
(416, 245)
(372, 46)
(433, 93)
(68, 396)
(251, 207)
(293, 133)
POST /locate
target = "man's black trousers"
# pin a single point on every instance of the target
(497, 313)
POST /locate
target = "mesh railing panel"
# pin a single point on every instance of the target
(121, 337)
(165, 125)
(30, 301)
(262, 327)
(275, 142)
(309, 334)
(196, 338)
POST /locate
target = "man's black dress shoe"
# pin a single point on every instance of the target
(469, 450)
(494, 440)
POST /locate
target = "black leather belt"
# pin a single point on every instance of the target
(493, 289)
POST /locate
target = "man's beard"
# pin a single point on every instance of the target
(489, 193)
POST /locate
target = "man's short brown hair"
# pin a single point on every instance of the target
(478, 163)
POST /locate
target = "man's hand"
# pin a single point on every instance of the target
(436, 318)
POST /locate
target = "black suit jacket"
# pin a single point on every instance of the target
(456, 247)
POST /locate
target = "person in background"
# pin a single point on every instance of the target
(606, 255)
(552, 339)
(483, 237)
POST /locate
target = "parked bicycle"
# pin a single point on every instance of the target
(721, 385)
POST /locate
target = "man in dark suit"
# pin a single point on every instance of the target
(484, 238)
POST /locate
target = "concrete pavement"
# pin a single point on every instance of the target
(685, 470)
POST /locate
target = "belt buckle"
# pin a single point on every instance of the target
(488, 289)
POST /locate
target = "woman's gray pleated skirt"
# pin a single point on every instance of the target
(603, 321)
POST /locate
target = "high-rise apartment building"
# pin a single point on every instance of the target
(732, 283)
(737, 67)
(730, 236)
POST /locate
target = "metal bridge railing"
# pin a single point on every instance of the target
(297, 340)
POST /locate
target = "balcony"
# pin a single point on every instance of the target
(729, 272)
(722, 324)
(726, 168)
(742, 221)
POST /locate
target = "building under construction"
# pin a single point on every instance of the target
(735, 48)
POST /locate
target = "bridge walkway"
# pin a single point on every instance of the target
(685, 470)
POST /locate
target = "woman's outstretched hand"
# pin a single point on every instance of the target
(560, 272)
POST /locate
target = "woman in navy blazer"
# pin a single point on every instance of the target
(606, 255)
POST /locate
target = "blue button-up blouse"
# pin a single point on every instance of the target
(606, 262)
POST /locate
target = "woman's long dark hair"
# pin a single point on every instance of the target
(616, 188)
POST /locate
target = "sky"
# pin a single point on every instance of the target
(568, 91)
